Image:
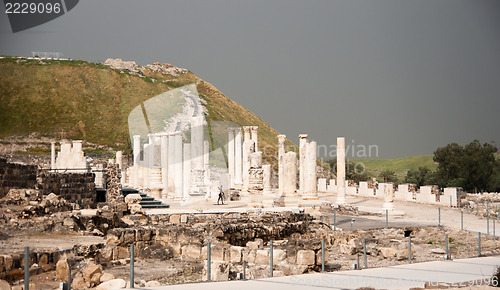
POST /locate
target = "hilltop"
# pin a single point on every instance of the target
(76, 99)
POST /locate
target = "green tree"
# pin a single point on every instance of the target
(473, 167)
(420, 176)
(353, 171)
(389, 175)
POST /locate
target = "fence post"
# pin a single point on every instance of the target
(132, 266)
(439, 213)
(447, 250)
(462, 220)
(69, 276)
(479, 245)
(271, 257)
(487, 218)
(409, 250)
(364, 253)
(244, 270)
(386, 218)
(335, 220)
(26, 268)
(322, 255)
(209, 266)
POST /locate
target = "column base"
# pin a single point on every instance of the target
(388, 206)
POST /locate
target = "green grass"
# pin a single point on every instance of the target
(400, 165)
(75, 99)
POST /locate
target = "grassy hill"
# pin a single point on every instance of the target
(90, 101)
(400, 165)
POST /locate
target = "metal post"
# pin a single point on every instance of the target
(131, 265)
(364, 253)
(357, 266)
(409, 250)
(447, 251)
(478, 209)
(487, 218)
(494, 239)
(479, 245)
(26, 268)
(439, 212)
(244, 270)
(335, 220)
(462, 220)
(271, 257)
(209, 261)
(386, 218)
(322, 255)
(450, 202)
(69, 276)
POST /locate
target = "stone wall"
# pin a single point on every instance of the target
(14, 175)
(73, 187)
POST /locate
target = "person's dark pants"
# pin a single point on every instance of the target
(220, 199)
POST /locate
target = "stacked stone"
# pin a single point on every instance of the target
(74, 187)
(13, 175)
(113, 184)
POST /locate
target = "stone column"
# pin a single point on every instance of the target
(310, 180)
(171, 165)
(137, 156)
(237, 156)
(340, 170)
(290, 173)
(146, 165)
(389, 196)
(302, 155)
(164, 165)
(230, 156)
(255, 131)
(281, 155)
(206, 161)
(266, 178)
(197, 138)
(187, 171)
(247, 131)
(248, 149)
(178, 166)
(119, 161)
(53, 155)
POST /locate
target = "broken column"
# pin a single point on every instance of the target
(254, 132)
(119, 161)
(281, 155)
(266, 176)
(302, 154)
(248, 149)
(310, 179)
(255, 174)
(53, 155)
(340, 170)
(237, 156)
(289, 173)
(389, 196)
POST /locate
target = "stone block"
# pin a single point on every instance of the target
(191, 251)
(62, 270)
(279, 255)
(235, 254)
(305, 257)
(262, 257)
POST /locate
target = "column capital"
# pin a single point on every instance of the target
(281, 138)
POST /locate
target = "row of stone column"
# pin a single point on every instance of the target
(287, 168)
(243, 156)
(171, 168)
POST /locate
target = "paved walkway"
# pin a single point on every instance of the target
(461, 272)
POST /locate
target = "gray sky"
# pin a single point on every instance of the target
(407, 76)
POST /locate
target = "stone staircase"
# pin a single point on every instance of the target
(147, 201)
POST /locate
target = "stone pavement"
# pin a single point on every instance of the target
(463, 272)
